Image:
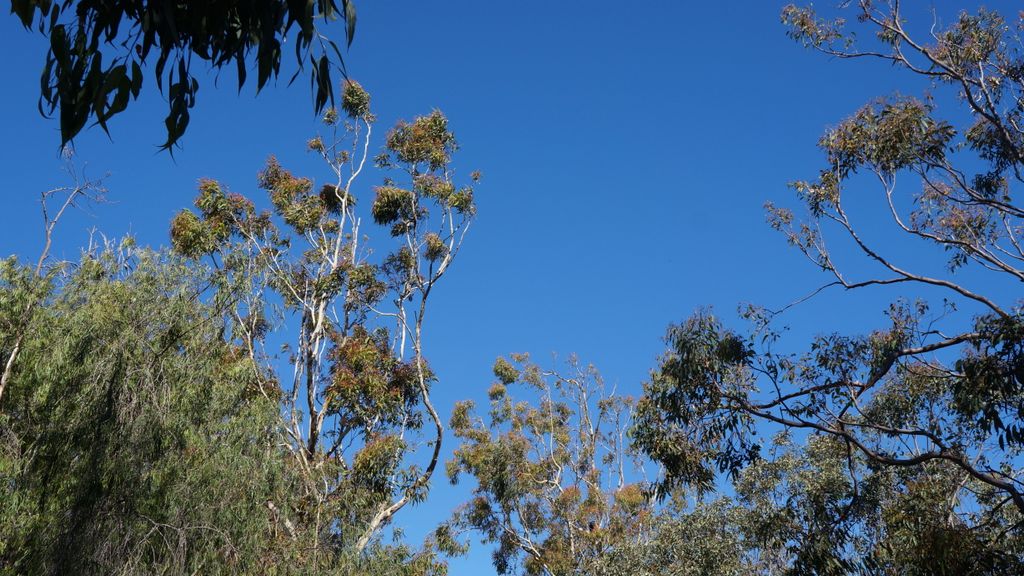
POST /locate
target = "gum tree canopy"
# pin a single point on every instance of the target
(97, 51)
(933, 400)
(356, 413)
(256, 400)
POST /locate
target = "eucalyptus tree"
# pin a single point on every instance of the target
(353, 381)
(935, 398)
(558, 489)
(94, 66)
(552, 491)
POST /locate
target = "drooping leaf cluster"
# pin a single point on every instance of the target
(98, 50)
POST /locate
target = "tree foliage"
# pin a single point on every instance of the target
(94, 66)
(132, 439)
(561, 490)
(355, 397)
(551, 486)
(926, 409)
(150, 427)
(135, 438)
(258, 399)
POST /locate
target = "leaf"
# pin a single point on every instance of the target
(124, 91)
(240, 64)
(115, 81)
(341, 59)
(323, 79)
(267, 59)
(25, 11)
(46, 94)
(54, 15)
(244, 32)
(59, 44)
(350, 21)
(160, 63)
(136, 79)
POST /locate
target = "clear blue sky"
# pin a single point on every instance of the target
(627, 150)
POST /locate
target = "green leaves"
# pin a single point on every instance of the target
(889, 136)
(350, 21)
(505, 372)
(434, 247)
(374, 464)
(806, 27)
(355, 406)
(189, 237)
(25, 10)
(219, 33)
(989, 387)
(139, 426)
(370, 388)
(689, 418)
(544, 466)
(393, 204)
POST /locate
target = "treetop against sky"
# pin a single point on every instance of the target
(626, 155)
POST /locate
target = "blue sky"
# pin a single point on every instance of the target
(626, 148)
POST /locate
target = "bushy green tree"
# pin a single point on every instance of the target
(20, 304)
(132, 439)
(707, 540)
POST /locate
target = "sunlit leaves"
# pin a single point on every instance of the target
(426, 141)
(434, 247)
(357, 400)
(142, 423)
(355, 101)
(888, 137)
(369, 387)
(806, 27)
(543, 465)
(189, 236)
